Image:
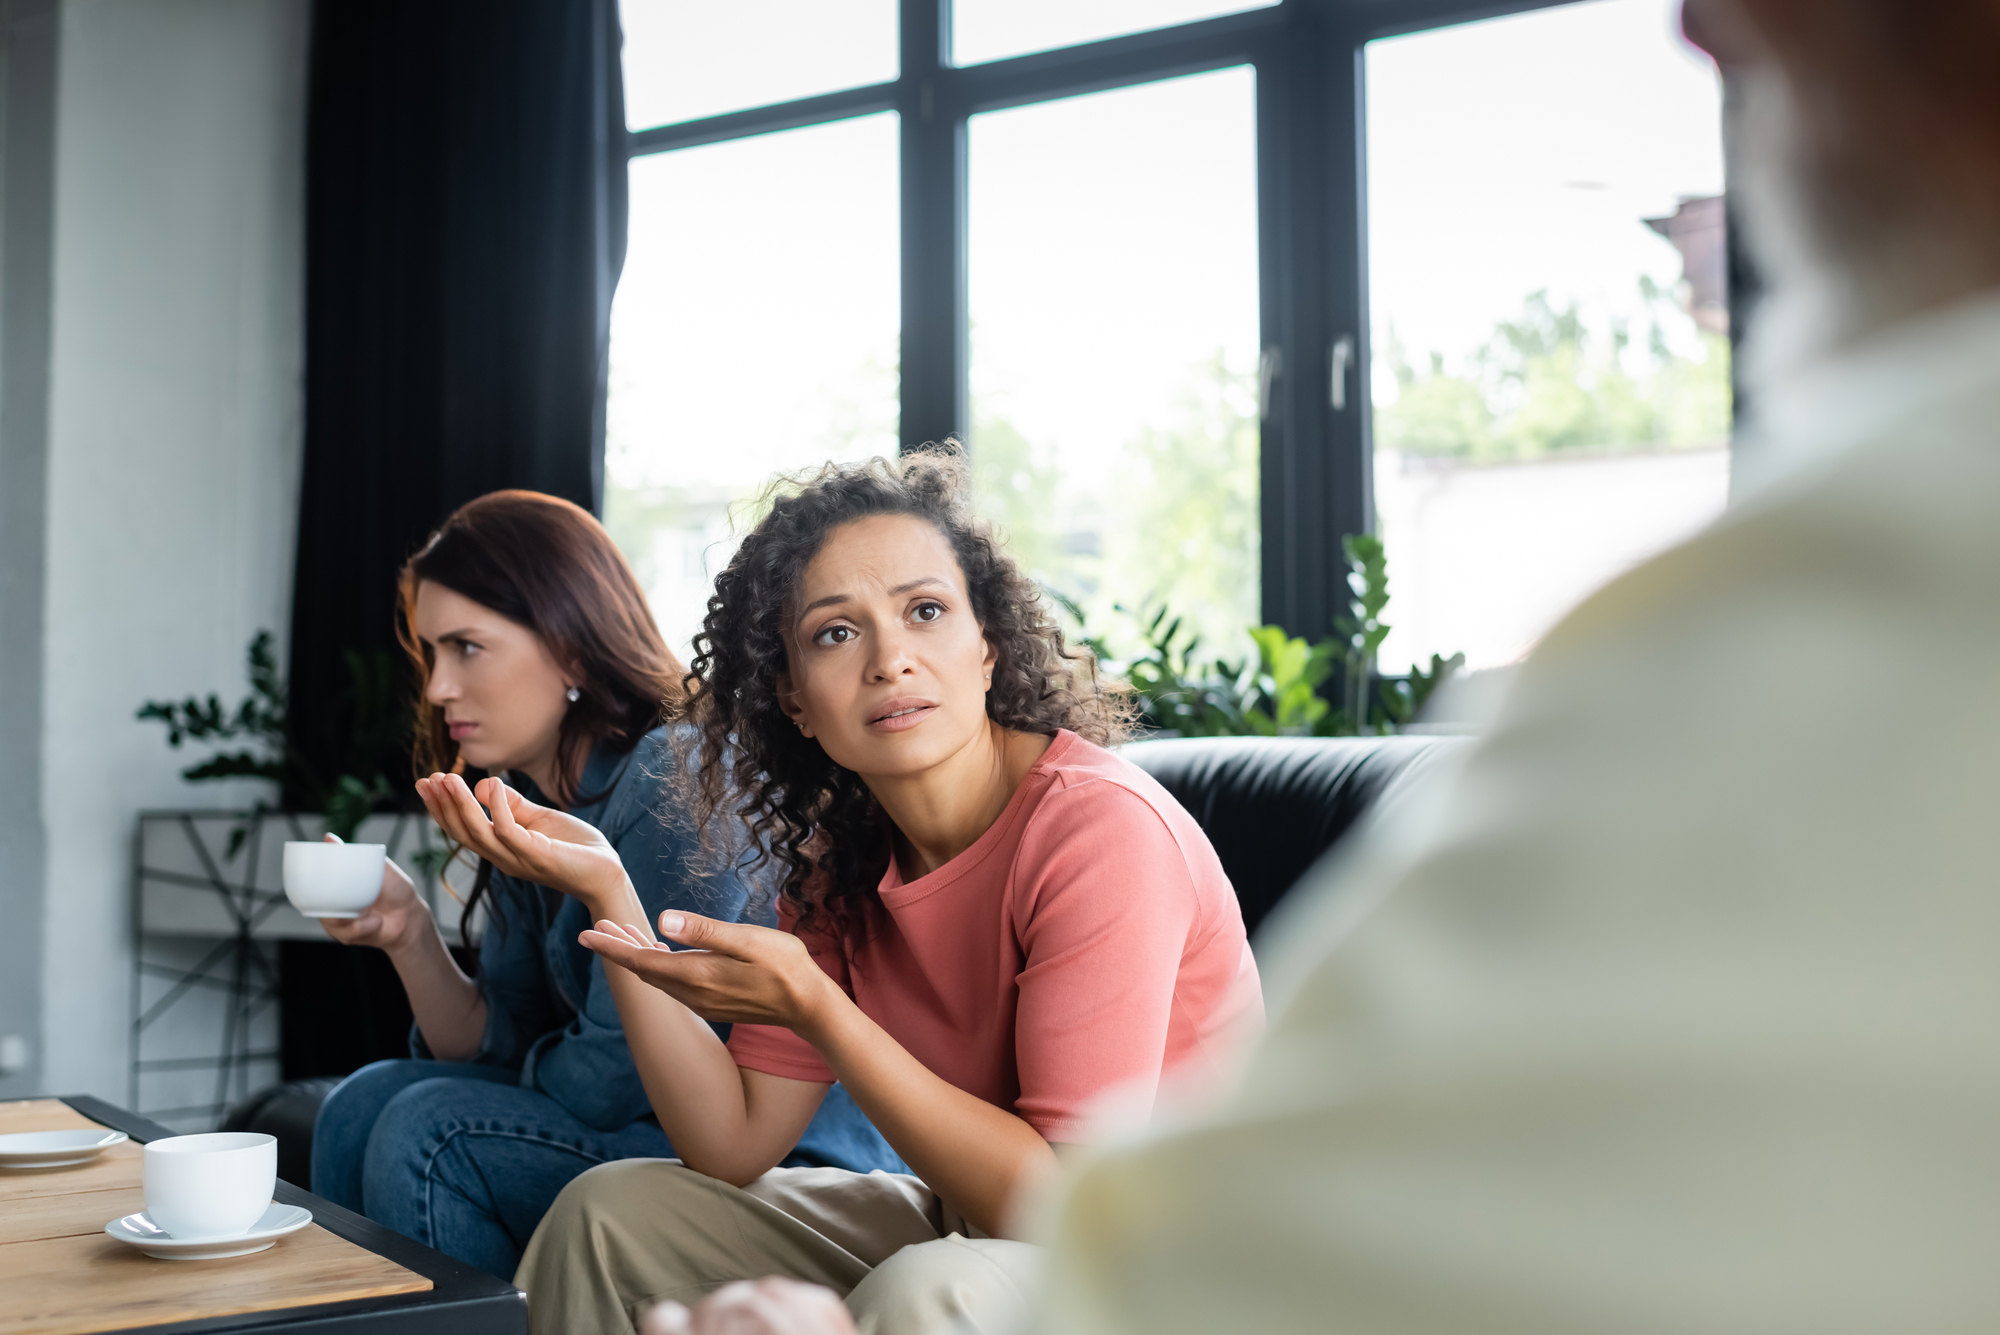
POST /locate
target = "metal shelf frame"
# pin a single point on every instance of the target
(242, 962)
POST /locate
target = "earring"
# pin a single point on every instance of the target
(573, 694)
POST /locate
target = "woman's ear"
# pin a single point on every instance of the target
(990, 661)
(788, 700)
(572, 675)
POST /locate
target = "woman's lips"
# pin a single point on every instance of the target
(903, 716)
(461, 731)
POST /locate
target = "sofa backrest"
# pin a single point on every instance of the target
(1272, 806)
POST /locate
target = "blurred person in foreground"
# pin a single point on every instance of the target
(1673, 1011)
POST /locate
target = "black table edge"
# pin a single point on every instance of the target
(461, 1301)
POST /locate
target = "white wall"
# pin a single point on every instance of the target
(174, 442)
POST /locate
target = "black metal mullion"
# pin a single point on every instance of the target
(1117, 62)
(1350, 498)
(935, 333)
(1277, 469)
(843, 105)
(1314, 456)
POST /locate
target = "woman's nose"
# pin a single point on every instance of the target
(892, 658)
(441, 688)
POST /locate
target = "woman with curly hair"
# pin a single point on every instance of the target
(988, 922)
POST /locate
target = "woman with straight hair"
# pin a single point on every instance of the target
(535, 656)
(989, 922)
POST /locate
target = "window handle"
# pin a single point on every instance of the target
(1269, 367)
(1341, 358)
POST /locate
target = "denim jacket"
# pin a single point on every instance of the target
(549, 1011)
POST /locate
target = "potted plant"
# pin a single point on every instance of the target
(378, 718)
(1281, 692)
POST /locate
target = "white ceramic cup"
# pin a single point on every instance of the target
(212, 1186)
(333, 880)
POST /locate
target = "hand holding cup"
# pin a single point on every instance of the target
(392, 921)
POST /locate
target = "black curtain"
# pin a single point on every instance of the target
(465, 227)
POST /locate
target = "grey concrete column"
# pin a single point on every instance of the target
(28, 31)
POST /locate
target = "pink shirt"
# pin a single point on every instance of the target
(1087, 941)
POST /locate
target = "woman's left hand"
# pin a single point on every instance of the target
(735, 973)
(526, 841)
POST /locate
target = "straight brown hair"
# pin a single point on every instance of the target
(548, 565)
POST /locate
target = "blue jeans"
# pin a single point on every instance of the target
(458, 1156)
(463, 1159)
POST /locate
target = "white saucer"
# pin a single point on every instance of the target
(56, 1149)
(327, 913)
(139, 1230)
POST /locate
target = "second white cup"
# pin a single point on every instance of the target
(212, 1186)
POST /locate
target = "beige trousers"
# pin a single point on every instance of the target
(627, 1235)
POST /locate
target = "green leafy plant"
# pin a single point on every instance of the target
(1174, 691)
(378, 718)
(1283, 691)
(1363, 627)
(1289, 675)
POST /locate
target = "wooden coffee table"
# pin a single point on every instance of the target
(60, 1274)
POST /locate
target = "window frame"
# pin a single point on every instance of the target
(1315, 470)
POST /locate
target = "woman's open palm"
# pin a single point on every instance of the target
(524, 840)
(730, 972)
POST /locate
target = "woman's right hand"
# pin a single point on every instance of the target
(526, 841)
(392, 922)
(729, 972)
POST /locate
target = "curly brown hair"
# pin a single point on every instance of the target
(815, 819)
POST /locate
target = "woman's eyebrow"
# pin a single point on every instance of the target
(835, 599)
(831, 600)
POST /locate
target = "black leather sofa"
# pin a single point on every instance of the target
(1272, 806)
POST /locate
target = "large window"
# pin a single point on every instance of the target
(1551, 394)
(754, 333)
(1114, 391)
(1121, 248)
